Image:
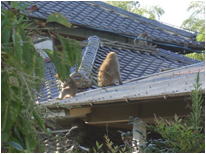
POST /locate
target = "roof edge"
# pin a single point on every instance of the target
(149, 21)
(173, 83)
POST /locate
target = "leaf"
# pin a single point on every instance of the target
(16, 146)
(58, 18)
(18, 128)
(39, 120)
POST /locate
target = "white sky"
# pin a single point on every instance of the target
(175, 10)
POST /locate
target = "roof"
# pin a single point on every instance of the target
(134, 63)
(178, 82)
(104, 17)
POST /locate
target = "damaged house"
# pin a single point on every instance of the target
(157, 78)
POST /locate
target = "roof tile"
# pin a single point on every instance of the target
(129, 23)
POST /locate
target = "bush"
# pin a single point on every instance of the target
(181, 135)
(21, 74)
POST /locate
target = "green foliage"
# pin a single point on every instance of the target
(58, 18)
(197, 56)
(109, 147)
(196, 118)
(67, 53)
(18, 6)
(179, 135)
(97, 148)
(126, 5)
(196, 21)
(21, 74)
(114, 148)
(70, 55)
(153, 12)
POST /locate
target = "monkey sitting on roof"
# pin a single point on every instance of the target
(143, 40)
(69, 89)
(109, 71)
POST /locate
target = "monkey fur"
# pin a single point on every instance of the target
(144, 36)
(109, 71)
(81, 80)
(69, 89)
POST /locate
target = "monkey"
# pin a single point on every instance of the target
(141, 39)
(109, 71)
(144, 40)
(81, 80)
(69, 89)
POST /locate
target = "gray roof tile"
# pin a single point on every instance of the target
(108, 18)
(133, 64)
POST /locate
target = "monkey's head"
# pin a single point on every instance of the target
(111, 55)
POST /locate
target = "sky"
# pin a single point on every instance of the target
(175, 10)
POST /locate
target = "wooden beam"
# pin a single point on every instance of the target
(82, 33)
(117, 113)
(79, 112)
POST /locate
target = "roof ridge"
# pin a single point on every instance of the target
(160, 51)
(176, 56)
(171, 70)
(156, 23)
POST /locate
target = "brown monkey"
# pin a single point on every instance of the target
(142, 39)
(81, 80)
(109, 71)
(69, 89)
(145, 40)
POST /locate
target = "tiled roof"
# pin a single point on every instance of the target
(50, 87)
(104, 17)
(133, 64)
(4, 5)
(161, 86)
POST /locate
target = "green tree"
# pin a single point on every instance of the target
(126, 5)
(196, 22)
(67, 52)
(153, 12)
(21, 74)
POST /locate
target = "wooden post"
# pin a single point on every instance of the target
(139, 135)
